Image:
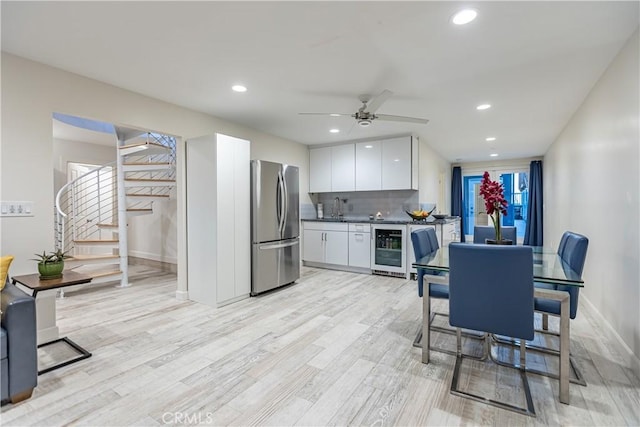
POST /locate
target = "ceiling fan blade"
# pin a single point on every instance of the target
(326, 114)
(376, 102)
(387, 117)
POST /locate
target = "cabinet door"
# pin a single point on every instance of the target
(360, 250)
(320, 170)
(242, 217)
(313, 247)
(336, 247)
(369, 166)
(343, 168)
(225, 272)
(396, 163)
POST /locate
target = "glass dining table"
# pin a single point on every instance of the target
(548, 267)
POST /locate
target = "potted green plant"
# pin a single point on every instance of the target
(50, 265)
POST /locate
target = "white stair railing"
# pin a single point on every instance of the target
(84, 205)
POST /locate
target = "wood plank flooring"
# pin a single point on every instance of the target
(333, 349)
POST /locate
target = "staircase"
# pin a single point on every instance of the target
(92, 210)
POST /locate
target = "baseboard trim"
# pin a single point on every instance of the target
(632, 361)
(182, 295)
(160, 265)
(152, 256)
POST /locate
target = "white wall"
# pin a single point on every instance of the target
(31, 92)
(591, 186)
(434, 178)
(65, 151)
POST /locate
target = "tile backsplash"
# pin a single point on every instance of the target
(391, 204)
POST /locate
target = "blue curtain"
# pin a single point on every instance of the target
(457, 207)
(533, 233)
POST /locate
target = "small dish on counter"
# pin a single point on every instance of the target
(439, 216)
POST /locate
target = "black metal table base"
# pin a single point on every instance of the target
(84, 354)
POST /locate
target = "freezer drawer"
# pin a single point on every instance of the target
(274, 264)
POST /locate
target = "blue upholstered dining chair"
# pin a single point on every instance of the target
(483, 232)
(572, 249)
(424, 242)
(501, 303)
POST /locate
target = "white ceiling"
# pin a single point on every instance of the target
(534, 62)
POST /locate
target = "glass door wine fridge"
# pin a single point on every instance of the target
(389, 249)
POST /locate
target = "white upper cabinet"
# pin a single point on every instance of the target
(390, 164)
(343, 168)
(320, 170)
(369, 166)
(332, 169)
(397, 162)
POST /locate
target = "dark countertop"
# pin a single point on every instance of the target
(384, 221)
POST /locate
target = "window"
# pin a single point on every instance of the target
(515, 181)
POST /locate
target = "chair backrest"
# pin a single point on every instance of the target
(491, 289)
(421, 242)
(482, 232)
(573, 250)
(433, 238)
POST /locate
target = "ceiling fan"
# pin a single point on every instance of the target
(366, 113)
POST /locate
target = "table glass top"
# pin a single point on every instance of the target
(548, 267)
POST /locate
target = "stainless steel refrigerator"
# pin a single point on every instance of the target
(275, 225)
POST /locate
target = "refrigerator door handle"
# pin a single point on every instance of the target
(280, 204)
(286, 201)
(279, 245)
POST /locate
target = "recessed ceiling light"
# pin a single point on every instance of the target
(494, 154)
(464, 16)
(334, 115)
(238, 88)
(491, 138)
(368, 146)
(334, 130)
(483, 107)
(396, 160)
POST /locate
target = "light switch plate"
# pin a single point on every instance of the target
(17, 208)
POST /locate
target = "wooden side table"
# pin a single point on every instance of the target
(46, 311)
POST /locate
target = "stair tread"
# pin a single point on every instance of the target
(139, 144)
(107, 225)
(96, 241)
(88, 257)
(139, 210)
(149, 179)
(105, 273)
(145, 163)
(146, 195)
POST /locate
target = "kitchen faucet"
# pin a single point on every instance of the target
(336, 211)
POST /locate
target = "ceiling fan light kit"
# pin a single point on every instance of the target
(365, 114)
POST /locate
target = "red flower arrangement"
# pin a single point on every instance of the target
(494, 202)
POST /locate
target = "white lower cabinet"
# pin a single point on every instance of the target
(325, 243)
(360, 245)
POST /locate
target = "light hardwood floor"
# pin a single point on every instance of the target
(333, 349)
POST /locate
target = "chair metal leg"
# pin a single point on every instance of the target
(417, 342)
(575, 375)
(456, 390)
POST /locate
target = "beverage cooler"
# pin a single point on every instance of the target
(389, 249)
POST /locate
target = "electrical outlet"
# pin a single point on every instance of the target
(16, 208)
